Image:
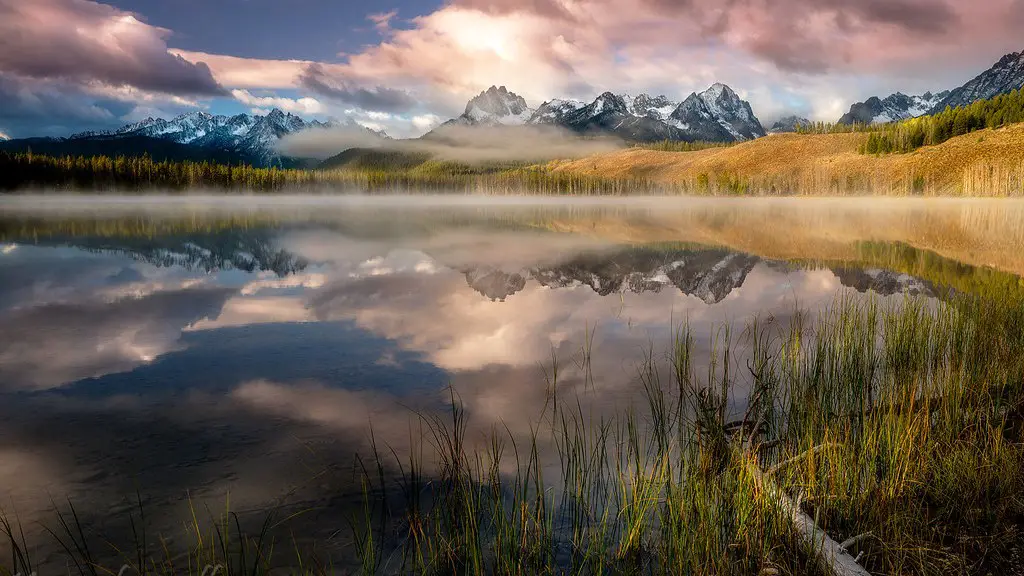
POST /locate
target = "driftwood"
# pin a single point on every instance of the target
(831, 556)
(820, 448)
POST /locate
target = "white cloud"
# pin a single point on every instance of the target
(304, 105)
(426, 121)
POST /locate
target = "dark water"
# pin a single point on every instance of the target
(200, 349)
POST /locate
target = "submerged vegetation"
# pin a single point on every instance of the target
(895, 427)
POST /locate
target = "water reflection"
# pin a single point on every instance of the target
(248, 349)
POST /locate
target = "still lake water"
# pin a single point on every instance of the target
(194, 347)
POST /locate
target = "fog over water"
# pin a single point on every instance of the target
(204, 345)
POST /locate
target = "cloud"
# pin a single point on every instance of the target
(96, 338)
(88, 42)
(473, 144)
(304, 105)
(813, 57)
(426, 121)
(382, 21)
(317, 79)
(322, 143)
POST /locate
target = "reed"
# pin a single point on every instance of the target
(894, 425)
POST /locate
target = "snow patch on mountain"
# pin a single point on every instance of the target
(892, 108)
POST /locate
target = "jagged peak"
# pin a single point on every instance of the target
(497, 101)
(718, 90)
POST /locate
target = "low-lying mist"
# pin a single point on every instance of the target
(468, 144)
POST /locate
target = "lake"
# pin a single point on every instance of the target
(188, 351)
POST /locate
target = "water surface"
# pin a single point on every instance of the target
(201, 347)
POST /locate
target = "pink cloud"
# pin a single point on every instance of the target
(817, 56)
(88, 42)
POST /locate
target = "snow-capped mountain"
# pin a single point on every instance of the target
(892, 108)
(1004, 76)
(716, 114)
(788, 124)
(252, 137)
(709, 274)
(494, 107)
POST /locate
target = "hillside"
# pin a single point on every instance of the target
(982, 163)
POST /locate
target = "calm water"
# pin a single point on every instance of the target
(191, 347)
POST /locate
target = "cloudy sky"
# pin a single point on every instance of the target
(402, 65)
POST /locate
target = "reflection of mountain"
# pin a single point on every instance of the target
(708, 274)
(249, 251)
(883, 281)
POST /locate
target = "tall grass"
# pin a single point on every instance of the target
(895, 425)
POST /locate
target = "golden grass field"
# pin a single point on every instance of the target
(983, 163)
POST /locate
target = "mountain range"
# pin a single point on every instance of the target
(716, 115)
(1004, 76)
(193, 136)
(710, 274)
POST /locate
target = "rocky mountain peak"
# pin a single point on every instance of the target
(497, 102)
(608, 102)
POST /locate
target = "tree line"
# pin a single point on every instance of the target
(21, 171)
(913, 133)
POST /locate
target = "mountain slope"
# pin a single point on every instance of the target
(1004, 76)
(984, 163)
(892, 108)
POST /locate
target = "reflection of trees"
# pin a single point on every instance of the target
(247, 250)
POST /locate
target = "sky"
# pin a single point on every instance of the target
(406, 65)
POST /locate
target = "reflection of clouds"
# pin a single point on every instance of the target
(50, 345)
(266, 281)
(352, 411)
(249, 310)
(33, 276)
(458, 329)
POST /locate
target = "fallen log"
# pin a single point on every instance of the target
(830, 555)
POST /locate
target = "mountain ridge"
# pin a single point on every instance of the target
(717, 114)
(1006, 75)
(195, 135)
